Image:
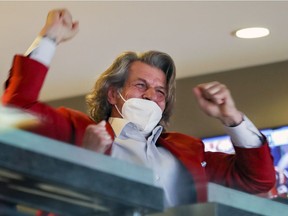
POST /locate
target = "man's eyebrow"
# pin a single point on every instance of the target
(141, 79)
(162, 87)
(145, 81)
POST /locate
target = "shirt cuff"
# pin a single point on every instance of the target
(245, 135)
(42, 50)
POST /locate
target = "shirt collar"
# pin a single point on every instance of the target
(117, 124)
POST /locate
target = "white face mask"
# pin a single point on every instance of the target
(145, 114)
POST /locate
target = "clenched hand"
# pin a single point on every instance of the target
(59, 26)
(215, 100)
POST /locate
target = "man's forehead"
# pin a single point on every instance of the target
(140, 69)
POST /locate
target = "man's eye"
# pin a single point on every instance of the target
(162, 95)
(140, 85)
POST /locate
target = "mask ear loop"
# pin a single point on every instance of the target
(118, 110)
(121, 96)
(116, 105)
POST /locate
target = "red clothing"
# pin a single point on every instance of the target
(250, 170)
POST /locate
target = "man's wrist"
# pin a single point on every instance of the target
(233, 121)
(53, 39)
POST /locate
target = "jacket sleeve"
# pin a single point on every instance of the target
(22, 90)
(249, 169)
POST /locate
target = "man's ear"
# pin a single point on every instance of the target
(112, 95)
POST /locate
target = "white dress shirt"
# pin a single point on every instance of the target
(169, 174)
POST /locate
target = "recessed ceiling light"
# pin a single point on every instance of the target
(255, 32)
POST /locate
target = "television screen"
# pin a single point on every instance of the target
(278, 142)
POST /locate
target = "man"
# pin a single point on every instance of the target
(132, 103)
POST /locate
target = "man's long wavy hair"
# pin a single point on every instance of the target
(115, 76)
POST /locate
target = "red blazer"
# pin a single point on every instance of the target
(249, 170)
